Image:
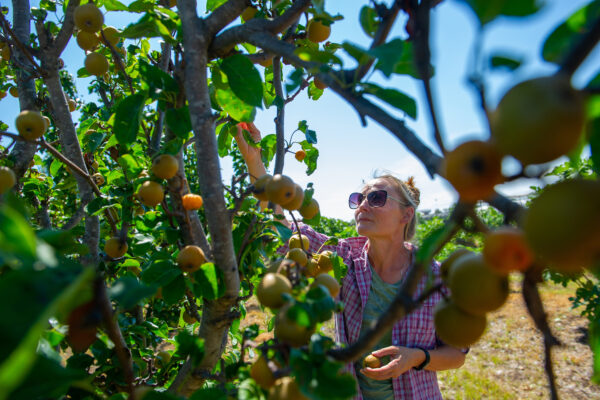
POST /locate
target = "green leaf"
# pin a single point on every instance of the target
(212, 4)
(498, 61)
(562, 39)
(236, 108)
(174, 291)
(209, 282)
(156, 79)
(394, 98)
(130, 165)
(141, 6)
(368, 20)
(388, 55)
(294, 80)
(594, 139)
(433, 242)
(244, 79)
(488, 10)
(127, 291)
(160, 273)
(16, 236)
(114, 5)
(128, 115)
(211, 393)
(188, 344)
(150, 25)
(178, 120)
(360, 55)
(595, 346)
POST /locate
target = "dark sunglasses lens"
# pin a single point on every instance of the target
(377, 198)
(355, 199)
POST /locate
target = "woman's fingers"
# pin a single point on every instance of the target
(386, 351)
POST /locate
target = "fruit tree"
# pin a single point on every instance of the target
(127, 259)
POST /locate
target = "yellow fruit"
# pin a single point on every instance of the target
(298, 255)
(296, 202)
(456, 327)
(2, 94)
(111, 34)
(248, 13)
(280, 189)
(72, 105)
(259, 187)
(7, 179)
(561, 225)
(289, 331)
(266, 63)
(300, 155)
(192, 201)
(447, 263)
(151, 193)
(324, 259)
(271, 288)
(311, 269)
(163, 358)
(5, 53)
(475, 287)
(310, 210)
(320, 84)
(30, 125)
(371, 361)
(286, 388)
(88, 18)
(329, 282)
(317, 32)
(14, 91)
(165, 166)
(190, 258)
(189, 319)
(87, 41)
(261, 373)
(96, 64)
(506, 250)
(539, 120)
(473, 168)
(298, 241)
(115, 247)
(98, 179)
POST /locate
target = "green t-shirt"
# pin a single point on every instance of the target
(381, 294)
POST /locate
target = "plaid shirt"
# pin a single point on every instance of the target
(415, 330)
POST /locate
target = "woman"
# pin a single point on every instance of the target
(377, 262)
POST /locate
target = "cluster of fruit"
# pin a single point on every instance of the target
(282, 190)
(89, 20)
(535, 122)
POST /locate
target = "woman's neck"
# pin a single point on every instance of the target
(389, 258)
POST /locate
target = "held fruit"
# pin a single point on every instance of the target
(561, 225)
(115, 247)
(371, 361)
(280, 189)
(271, 288)
(317, 31)
(96, 64)
(310, 210)
(329, 282)
(88, 18)
(296, 202)
(30, 125)
(7, 179)
(87, 41)
(506, 250)
(190, 258)
(151, 193)
(259, 190)
(192, 201)
(473, 168)
(456, 327)
(475, 287)
(165, 166)
(539, 120)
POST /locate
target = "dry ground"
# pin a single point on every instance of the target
(507, 363)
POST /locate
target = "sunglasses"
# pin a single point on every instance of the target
(376, 198)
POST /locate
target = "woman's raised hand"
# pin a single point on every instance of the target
(249, 152)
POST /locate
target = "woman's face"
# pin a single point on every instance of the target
(388, 221)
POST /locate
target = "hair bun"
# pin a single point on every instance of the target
(414, 192)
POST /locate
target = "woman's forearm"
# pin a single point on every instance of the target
(445, 357)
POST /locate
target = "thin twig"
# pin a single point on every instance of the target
(24, 49)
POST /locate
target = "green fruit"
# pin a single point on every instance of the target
(310, 210)
(539, 120)
(96, 64)
(271, 288)
(287, 330)
(280, 189)
(30, 125)
(7, 179)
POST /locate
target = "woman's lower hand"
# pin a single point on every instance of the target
(401, 360)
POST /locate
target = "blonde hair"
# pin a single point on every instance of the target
(410, 194)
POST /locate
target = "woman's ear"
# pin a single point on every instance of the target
(409, 213)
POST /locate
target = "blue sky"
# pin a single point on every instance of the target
(350, 153)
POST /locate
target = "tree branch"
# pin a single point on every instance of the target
(581, 50)
(224, 15)
(280, 118)
(66, 30)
